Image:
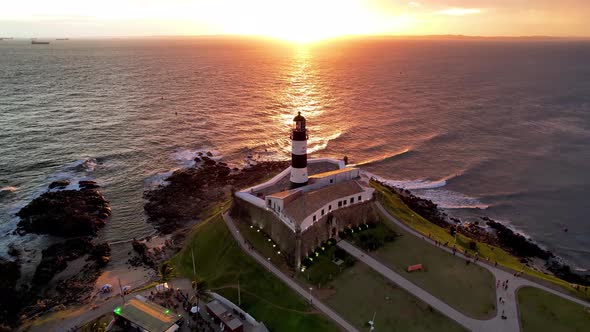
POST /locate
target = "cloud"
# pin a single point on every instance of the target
(459, 11)
(414, 4)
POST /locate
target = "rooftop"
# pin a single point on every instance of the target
(311, 201)
(284, 183)
(284, 194)
(148, 315)
(338, 171)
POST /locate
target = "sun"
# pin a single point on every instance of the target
(300, 21)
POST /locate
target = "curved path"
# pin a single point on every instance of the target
(509, 307)
(284, 278)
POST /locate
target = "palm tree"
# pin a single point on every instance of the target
(201, 290)
(166, 272)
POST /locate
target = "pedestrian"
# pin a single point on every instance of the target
(498, 284)
(501, 300)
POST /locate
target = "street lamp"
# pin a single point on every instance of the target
(310, 295)
(268, 259)
(372, 322)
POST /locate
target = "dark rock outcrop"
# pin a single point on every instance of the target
(59, 184)
(87, 184)
(11, 300)
(55, 258)
(517, 244)
(65, 213)
(190, 191)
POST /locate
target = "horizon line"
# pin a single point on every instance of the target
(374, 36)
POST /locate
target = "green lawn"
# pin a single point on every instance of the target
(396, 207)
(221, 263)
(468, 288)
(324, 270)
(542, 311)
(359, 292)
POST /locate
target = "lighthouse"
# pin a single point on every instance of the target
(298, 152)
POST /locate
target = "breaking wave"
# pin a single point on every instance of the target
(8, 189)
(431, 190)
(186, 157)
(383, 158)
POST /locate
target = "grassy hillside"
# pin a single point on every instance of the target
(221, 263)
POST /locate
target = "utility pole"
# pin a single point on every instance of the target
(194, 268)
(121, 290)
(239, 296)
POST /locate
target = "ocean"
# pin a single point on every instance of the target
(481, 127)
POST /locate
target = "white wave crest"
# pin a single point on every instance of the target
(408, 184)
(83, 165)
(157, 180)
(8, 189)
(186, 157)
(448, 199)
(431, 190)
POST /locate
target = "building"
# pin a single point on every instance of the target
(322, 197)
(140, 314)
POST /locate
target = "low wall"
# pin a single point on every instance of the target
(334, 222)
(280, 233)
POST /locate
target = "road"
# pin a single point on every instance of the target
(284, 278)
(509, 307)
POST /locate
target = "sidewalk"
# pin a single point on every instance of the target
(509, 307)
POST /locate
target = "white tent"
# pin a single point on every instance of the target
(162, 287)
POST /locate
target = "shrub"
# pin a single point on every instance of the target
(340, 254)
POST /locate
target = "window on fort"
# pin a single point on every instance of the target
(329, 207)
(344, 202)
(314, 217)
(331, 180)
(269, 202)
(339, 203)
(360, 198)
(322, 212)
(351, 200)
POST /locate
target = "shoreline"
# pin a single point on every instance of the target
(494, 234)
(196, 189)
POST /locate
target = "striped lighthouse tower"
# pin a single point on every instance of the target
(299, 152)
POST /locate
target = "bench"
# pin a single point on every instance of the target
(416, 267)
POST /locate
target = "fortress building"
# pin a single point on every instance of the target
(307, 203)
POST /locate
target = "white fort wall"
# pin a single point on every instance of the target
(246, 194)
(336, 204)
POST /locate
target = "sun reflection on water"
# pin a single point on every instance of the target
(306, 92)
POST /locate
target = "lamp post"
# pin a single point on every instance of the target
(268, 259)
(372, 322)
(310, 301)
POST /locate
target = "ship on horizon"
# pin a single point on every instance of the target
(37, 42)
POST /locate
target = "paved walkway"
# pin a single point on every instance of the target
(509, 307)
(286, 279)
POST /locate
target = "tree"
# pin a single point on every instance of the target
(166, 272)
(201, 290)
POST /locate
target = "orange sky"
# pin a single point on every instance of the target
(296, 20)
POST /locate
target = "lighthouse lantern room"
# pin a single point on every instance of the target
(298, 152)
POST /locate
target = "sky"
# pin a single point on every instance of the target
(296, 20)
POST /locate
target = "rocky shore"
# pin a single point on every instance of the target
(75, 216)
(66, 213)
(190, 191)
(495, 234)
